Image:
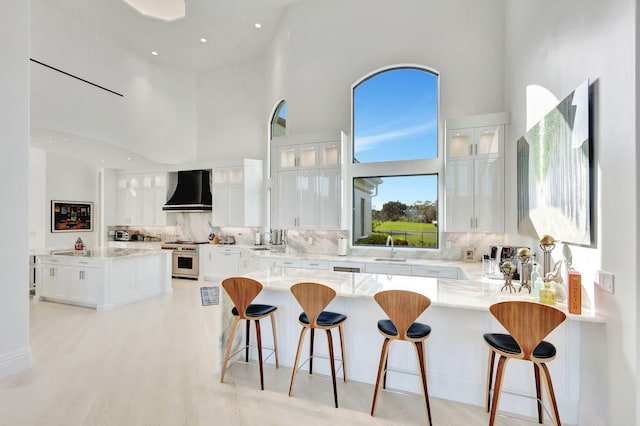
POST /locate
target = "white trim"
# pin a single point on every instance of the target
(14, 362)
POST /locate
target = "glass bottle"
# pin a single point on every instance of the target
(547, 294)
(536, 280)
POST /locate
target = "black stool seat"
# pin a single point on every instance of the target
(506, 343)
(256, 310)
(415, 331)
(325, 319)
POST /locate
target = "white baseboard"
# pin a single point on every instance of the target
(14, 362)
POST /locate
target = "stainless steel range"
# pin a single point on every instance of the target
(184, 263)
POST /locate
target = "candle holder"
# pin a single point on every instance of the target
(547, 244)
(507, 269)
(524, 255)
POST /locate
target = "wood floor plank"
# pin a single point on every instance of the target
(155, 362)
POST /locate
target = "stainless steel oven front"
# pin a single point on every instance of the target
(185, 264)
(184, 260)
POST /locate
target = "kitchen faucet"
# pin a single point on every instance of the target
(390, 243)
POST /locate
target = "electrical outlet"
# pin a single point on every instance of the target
(448, 244)
(605, 280)
(310, 240)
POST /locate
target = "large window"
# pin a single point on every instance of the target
(395, 165)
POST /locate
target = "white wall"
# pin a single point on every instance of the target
(38, 213)
(15, 354)
(557, 45)
(231, 118)
(68, 179)
(323, 47)
(156, 118)
(334, 43)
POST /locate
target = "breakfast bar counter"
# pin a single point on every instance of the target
(456, 351)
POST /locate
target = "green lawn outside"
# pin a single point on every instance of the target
(416, 234)
(406, 226)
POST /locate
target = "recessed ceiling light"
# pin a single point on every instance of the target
(128, 158)
(154, 53)
(65, 139)
(50, 141)
(204, 40)
(258, 25)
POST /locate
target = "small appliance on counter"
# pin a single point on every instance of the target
(497, 256)
(122, 236)
(278, 237)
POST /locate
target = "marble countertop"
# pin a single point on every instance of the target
(471, 294)
(99, 253)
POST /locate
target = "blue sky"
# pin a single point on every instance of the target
(396, 119)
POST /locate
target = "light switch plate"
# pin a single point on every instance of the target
(605, 280)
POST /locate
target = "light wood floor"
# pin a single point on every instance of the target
(154, 363)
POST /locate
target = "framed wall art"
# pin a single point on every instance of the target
(71, 216)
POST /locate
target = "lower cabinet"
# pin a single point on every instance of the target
(70, 283)
(390, 269)
(217, 263)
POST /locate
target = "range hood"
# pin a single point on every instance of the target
(192, 194)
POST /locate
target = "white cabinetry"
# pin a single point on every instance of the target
(218, 262)
(388, 268)
(307, 185)
(103, 282)
(475, 174)
(140, 198)
(75, 281)
(237, 194)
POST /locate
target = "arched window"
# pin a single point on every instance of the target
(395, 163)
(279, 120)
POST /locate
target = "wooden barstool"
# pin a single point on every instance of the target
(403, 308)
(242, 291)
(313, 298)
(528, 323)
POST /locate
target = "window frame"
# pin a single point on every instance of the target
(427, 166)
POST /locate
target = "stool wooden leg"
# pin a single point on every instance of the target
(246, 348)
(229, 344)
(275, 339)
(313, 338)
(384, 377)
(551, 395)
(492, 357)
(536, 372)
(259, 342)
(423, 376)
(344, 358)
(496, 389)
(295, 363)
(333, 366)
(381, 367)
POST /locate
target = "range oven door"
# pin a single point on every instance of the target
(184, 264)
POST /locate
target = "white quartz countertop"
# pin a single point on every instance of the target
(99, 253)
(461, 294)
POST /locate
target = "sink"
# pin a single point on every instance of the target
(260, 248)
(390, 259)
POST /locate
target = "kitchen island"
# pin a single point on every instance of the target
(456, 352)
(102, 278)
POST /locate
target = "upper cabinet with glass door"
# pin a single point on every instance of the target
(486, 141)
(307, 156)
(306, 183)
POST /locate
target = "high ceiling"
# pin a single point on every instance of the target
(229, 27)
